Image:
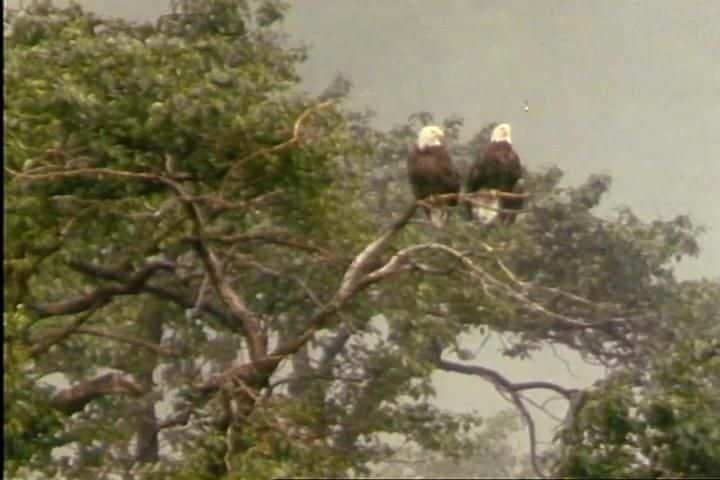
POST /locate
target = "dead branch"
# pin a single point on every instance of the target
(276, 237)
(217, 202)
(490, 281)
(480, 194)
(351, 283)
(34, 174)
(251, 324)
(474, 198)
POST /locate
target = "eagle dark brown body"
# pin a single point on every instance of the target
(431, 172)
(497, 167)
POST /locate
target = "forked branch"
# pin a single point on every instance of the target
(512, 389)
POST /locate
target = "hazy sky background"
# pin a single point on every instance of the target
(629, 88)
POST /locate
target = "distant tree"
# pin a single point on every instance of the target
(210, 275)
(494, 457)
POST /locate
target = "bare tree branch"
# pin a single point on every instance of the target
(351, 283)
(512, 390)
(277, 237)
(251, 325)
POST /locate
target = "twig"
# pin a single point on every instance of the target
(279, 147)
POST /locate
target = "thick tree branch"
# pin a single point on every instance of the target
(179, 297)
(251, 325)
(351, 283)
(74, 399)
(102, 295)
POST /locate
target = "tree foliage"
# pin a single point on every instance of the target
(661, 421)
(210, 274)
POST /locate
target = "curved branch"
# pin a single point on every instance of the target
(102, 295)
(126, 338)
(497, 379)
(178, 297)
(279, 147)
(511, 389)
(352, 282)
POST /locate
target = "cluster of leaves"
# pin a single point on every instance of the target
(663, 424)
(31, 424)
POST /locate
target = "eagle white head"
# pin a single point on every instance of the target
(502, 133)
(430, 135)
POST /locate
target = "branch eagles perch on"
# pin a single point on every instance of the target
(431, 172)
(496, 167)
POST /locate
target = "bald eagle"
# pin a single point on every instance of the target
(496, 167)
(431, 172)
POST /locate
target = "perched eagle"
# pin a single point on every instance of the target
(496, 167)
(431, 172)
